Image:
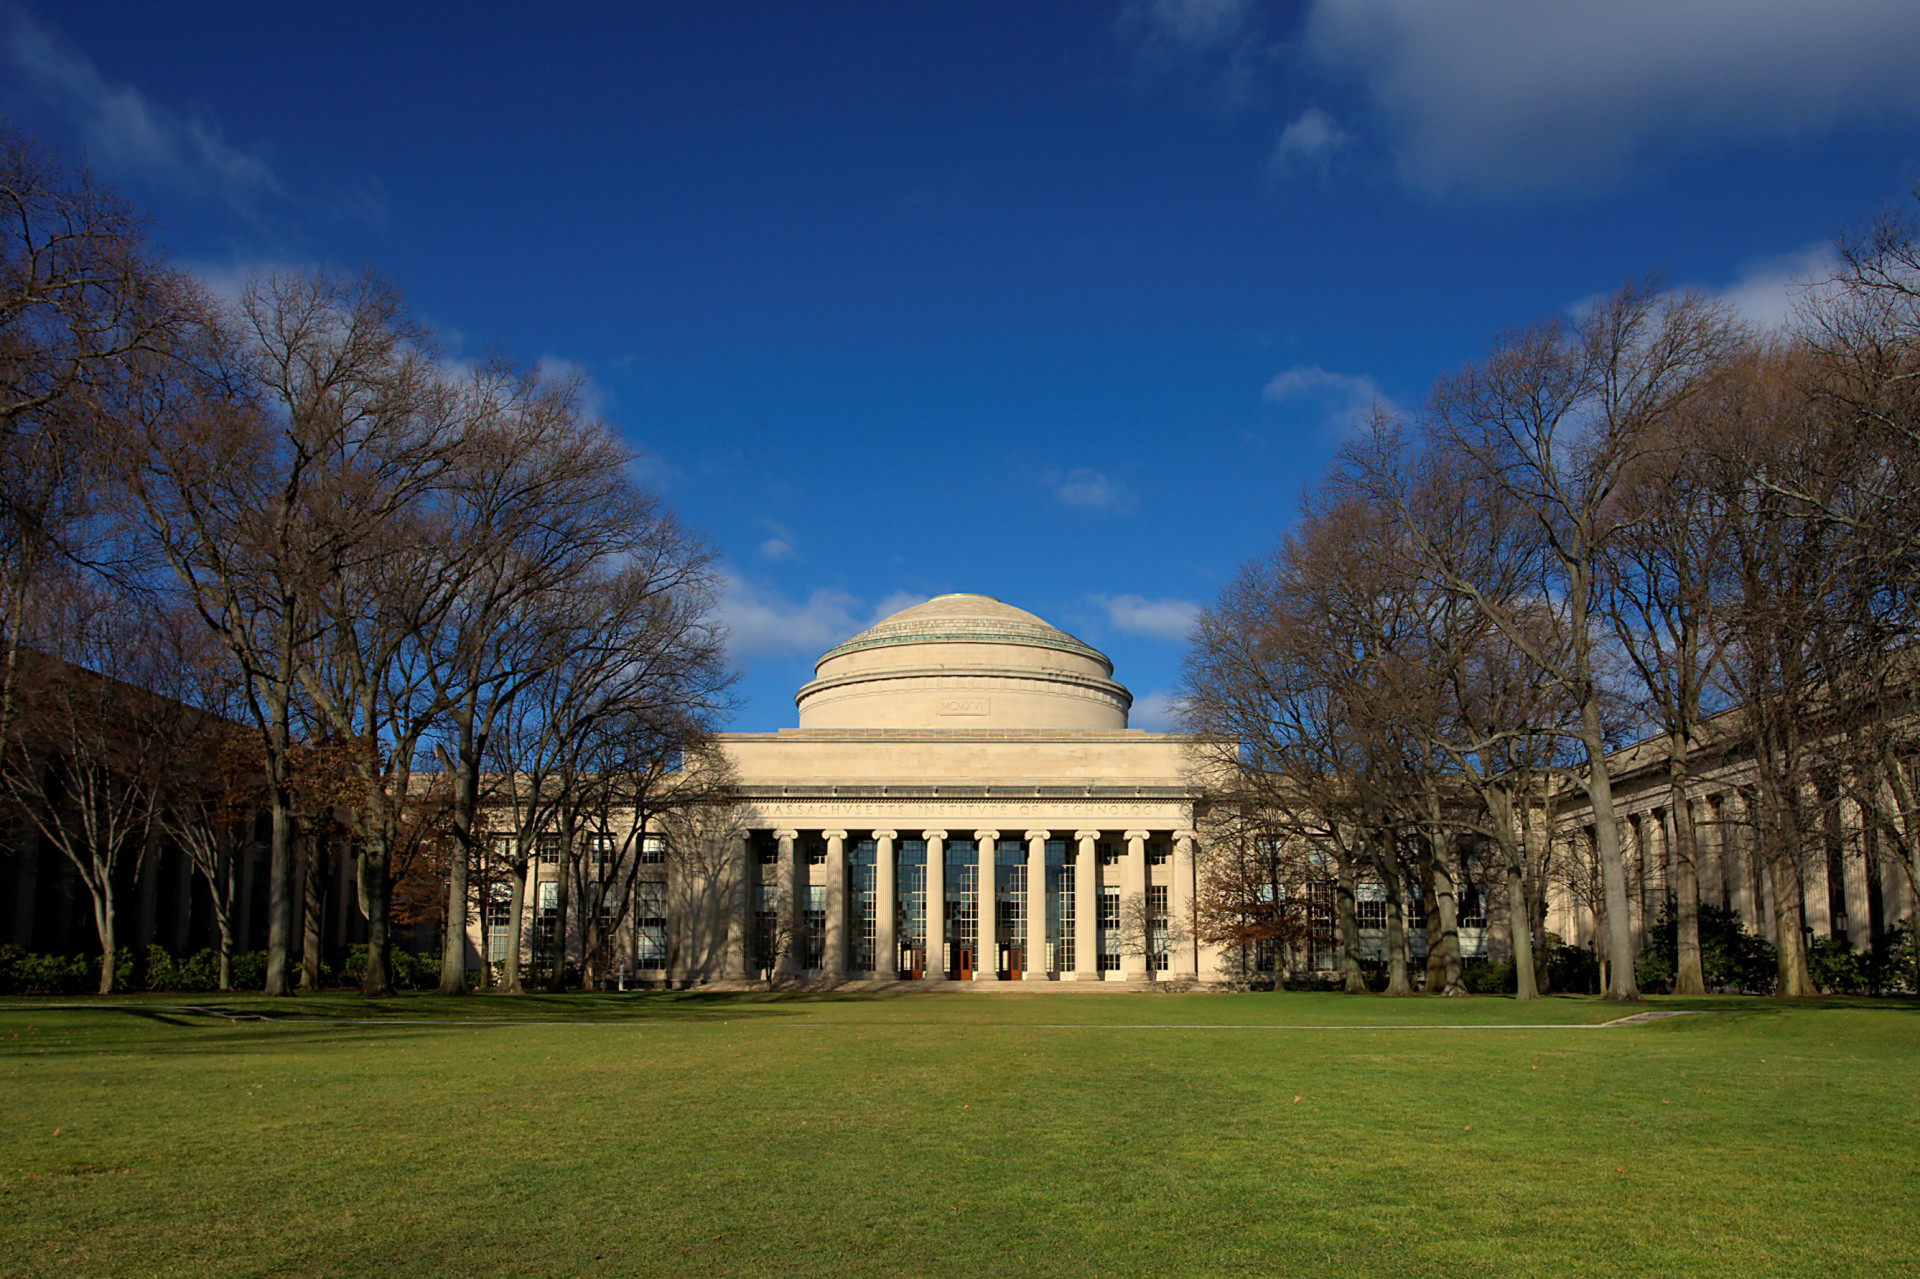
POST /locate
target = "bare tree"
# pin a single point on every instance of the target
(89, 755)
(1556, 417)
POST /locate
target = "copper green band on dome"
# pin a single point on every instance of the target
(988, 633)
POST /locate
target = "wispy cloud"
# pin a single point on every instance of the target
(1085, 489)
(1342, 399)
(1493, 97)
(1309, 143)
(1157, 712)
(1217, 42)
(1164, 619)
(125, 131)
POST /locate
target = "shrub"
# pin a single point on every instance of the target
(1730, 956)
(24, 972)
(1570, 969)
(408, 970)
(1490, 979)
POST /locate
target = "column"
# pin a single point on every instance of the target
(833, 962)
(740, 917)
(1184, 962)
(1133, 888)
(1086, 907)
(935, 968)
(986, 963)
(886, 944)
(1037, 962)
(793, 927)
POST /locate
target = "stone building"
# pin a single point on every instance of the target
(962, 799)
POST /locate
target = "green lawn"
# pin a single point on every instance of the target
(1117, 1134)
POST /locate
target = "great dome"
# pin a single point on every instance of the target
(964, 663)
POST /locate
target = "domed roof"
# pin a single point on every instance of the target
(964, 663)
(965, 619)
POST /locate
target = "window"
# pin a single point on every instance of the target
(500, 851)
(816, 921)
(650, 924)
(1473, 908)
(550, 846)
(768, 850)
(601, 849)
(499, 921)
(816, 853)
(1109, 929)
(1108, 852)
(910, 883)
(1322, 926)
(1371, 914)
(1060, 905)
(1158, 851)
(1157, 933)
(962, 877)
(861, 868)
(653, 850)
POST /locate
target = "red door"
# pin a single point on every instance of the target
(963, 963)
(1015, 956)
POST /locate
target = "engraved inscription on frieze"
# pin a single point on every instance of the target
(963, 706)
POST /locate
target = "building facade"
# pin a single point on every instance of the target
(962, 800)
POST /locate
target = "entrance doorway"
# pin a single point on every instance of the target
(962, 964)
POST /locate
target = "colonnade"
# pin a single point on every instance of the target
(1131, 877)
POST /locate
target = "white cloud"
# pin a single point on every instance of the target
(895, 602)
(125, 131)
(776, 548)
(1089, 490)
(762, 622)
(1308, 143)
(1766, 291)
(1165, 619)
(1343, 399)
(1157, 712)
(594, 398)
(1498, 96)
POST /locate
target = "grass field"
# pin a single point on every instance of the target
(958, 1134)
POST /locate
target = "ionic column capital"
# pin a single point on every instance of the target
(986, 836)
(931, 835)
(1040, 834)
(834, 835)
(786, 836)
(1086, 836)
(1139, 834)
(886, 834)
(1187, 836)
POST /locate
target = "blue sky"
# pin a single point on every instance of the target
(1060, 303)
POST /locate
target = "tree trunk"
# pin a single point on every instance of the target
(374, 892)
(314, 916)
(105, 924)
(516, 930)
(1689, 978)
(1353, 979)
(1398, 982)
(453, 946)
(280, 850)
(557, 979)
(1434, 980)
(1621, 986)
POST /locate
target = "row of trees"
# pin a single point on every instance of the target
(276, 553)
(1642, 520)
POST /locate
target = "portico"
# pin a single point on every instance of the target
(962, 800)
